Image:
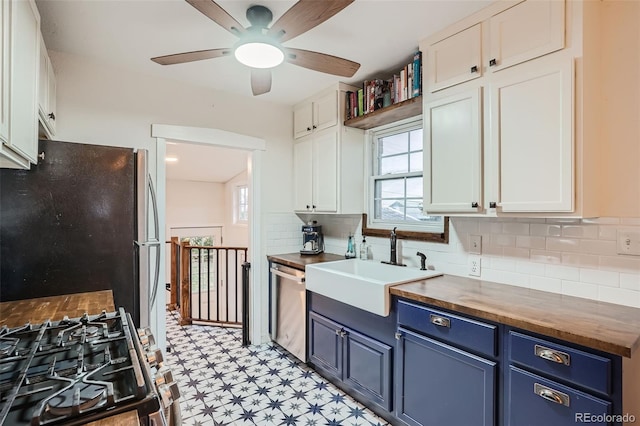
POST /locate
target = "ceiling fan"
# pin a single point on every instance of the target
(260, 46)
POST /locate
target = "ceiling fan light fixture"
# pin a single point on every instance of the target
(259, 54)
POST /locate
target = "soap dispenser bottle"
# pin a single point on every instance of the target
(364, 250)
(351, 249)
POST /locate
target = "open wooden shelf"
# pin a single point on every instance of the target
(401, 110)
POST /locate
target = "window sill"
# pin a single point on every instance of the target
(432, 237)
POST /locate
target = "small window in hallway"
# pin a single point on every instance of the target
(241, 205)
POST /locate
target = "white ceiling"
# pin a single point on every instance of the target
(380, 35)
(202, 163)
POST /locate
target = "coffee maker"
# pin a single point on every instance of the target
(312, 239)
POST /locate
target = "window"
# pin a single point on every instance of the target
(396, 183)
(241, 209)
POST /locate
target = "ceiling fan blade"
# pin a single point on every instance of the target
(303, 16)
(260, 81)
(217, 14)
(198, 55)
(321, 62)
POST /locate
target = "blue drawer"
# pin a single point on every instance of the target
(562, 362)
(533, 400)
(460, 331)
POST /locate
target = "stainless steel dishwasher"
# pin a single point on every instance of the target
(288, 309)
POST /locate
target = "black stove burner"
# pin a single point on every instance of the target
(73, 371)
(76, 399)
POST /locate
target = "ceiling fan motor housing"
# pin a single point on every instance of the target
(259, 16)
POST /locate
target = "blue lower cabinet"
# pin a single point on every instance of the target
(325, 345)
(438, 384)
(533, 400)
(368, 368)
(360, 363)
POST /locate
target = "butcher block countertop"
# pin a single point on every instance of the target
(299, 261)
(54, 308)
(604, 326)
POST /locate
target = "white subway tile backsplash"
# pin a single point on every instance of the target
(529, 242)
(560, 272)
(602, 278)
(545, 256)
(578, 289)
(580, 231)
(563, 244)
(568, 256)
(515, 228)
(630, 281)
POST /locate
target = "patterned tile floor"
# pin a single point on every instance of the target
(222, 383)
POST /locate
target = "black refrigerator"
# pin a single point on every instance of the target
(79, 221)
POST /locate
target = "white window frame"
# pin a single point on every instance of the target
(371, 176)
(237, 205)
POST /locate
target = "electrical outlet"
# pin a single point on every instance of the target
(628, 242)
(474, 266)
(475, 244)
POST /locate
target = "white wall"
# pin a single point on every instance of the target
(235, 235)
(195, 204)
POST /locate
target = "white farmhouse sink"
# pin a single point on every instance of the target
(361, 283)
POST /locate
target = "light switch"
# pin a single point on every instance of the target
(629, 242)
(475, 244)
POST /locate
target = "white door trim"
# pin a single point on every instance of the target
(224, 139)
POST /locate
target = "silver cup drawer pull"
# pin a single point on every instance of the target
(440, 321)
(552, 355)
(552, 395)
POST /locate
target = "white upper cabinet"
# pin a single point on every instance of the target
(525, 31)
(453, 153)
(46, 93)
(315, 114)
(328, 160)
(455, 59)
(532, 138)
(24, 60)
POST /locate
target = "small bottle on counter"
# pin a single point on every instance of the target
(351, 249)
(364, 250)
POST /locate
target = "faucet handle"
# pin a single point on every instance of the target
(423, 260)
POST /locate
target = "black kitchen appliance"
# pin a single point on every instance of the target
(82, 219)
(76, 371)
(312, 239)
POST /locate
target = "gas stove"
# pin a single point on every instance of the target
(75, 371)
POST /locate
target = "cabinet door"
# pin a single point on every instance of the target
(302, 120)
(455, 59)
(532, 136)
(4, 69)
(438, 384)
(527, 30)
(325, 111)
(368, 368)
(325, 345)
(302, 175)
(325, 172)
(25, 58)
(453, 154)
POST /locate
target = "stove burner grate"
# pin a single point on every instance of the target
(76, 399)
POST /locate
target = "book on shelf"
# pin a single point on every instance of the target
(378, 93)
